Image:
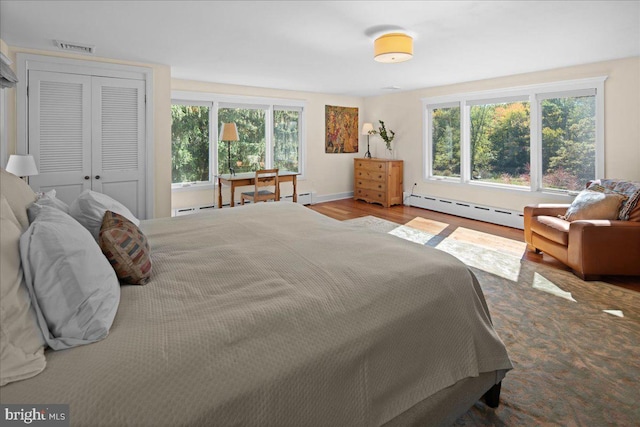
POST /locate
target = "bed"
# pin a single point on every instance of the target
(274, 315)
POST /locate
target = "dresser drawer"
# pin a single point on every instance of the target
(371, 185)
(370, 165)
(371, 195)
(370, 175)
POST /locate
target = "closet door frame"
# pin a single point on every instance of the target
(26, 62)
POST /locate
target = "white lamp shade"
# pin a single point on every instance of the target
(367, 128)
(22, 165)
(229, 132)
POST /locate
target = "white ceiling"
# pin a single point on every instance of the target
(327, 46)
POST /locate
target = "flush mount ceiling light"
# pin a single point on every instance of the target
(393, 47)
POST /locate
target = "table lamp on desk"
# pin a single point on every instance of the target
(228, 133)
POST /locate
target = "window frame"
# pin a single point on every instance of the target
(216, 101)
(301, 132)
(247, 106)
(429, 140)
(196, 183)
(466, 137)
(534, 94)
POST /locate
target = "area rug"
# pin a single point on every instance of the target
(575, 345)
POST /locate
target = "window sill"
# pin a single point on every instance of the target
(177, 188)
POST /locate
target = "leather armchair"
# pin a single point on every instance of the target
(591, 248)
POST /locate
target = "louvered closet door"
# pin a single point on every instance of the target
(88, 132)
(60, 132)
(118, 136)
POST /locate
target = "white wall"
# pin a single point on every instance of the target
(328, 175)
(331, 175)
(402, 112)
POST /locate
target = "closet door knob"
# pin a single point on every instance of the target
(87, 177)
(97, 176)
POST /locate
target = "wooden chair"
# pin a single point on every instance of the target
(264, 178)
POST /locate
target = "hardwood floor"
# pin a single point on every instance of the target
(447, 224)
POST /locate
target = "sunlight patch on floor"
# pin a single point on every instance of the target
(543, 284)
(617, 313)
(411, 234)
(489, 260)
(496, 255)
(427, 225)
(489, 241)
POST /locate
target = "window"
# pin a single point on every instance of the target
(190, 142)
(568, 142)
(270, 136)
(445, 128)
(248, 154)
(286, 136)
(542, 138)
(499, 142)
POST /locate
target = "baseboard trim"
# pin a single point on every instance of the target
(332, 197)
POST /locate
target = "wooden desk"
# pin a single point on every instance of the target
(248, 178)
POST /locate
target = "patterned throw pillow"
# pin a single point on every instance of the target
(126, 248)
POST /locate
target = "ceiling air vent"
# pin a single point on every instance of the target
(75, 47)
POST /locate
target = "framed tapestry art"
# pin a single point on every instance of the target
(341, 129)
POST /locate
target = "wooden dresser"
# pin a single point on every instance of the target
(378, 181)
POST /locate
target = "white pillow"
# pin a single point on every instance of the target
(46, 199)
(21, 343)
(89, 209)
(72, 285)
(49, 198)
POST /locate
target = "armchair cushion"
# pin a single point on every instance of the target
(553, 228)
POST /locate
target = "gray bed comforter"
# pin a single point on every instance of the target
(274, 315)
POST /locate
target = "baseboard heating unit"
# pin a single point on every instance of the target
(303, 198)
(190, 210)
(490, 214)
